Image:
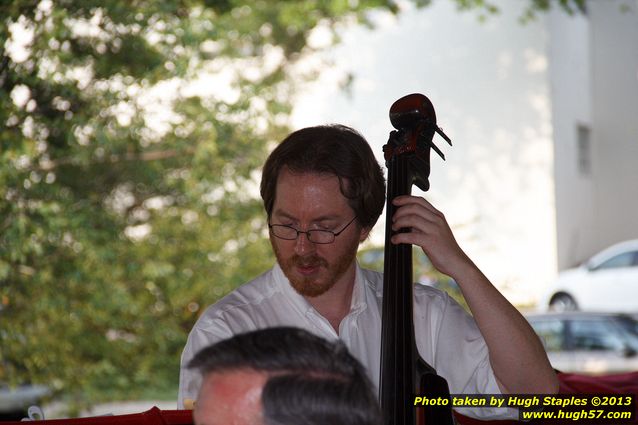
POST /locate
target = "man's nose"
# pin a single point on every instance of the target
(303, 245)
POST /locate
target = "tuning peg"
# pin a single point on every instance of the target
(437, 150)
(442, 134)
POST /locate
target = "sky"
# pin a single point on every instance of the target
(489, 84)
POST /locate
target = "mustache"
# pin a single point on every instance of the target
(310, 261)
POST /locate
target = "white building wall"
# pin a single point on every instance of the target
(489, 84)
(594, 84)
(614, 39)
(570, 82)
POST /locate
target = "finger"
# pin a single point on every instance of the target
(414, 200)
(414, 222)
(415, 211)
(405, 238)
(413, 238)
(418, 210)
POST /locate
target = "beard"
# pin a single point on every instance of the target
(325, 276)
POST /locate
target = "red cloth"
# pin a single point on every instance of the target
(624, 383)
(154, 416)
(570, 383)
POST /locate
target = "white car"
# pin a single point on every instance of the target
(608, 281)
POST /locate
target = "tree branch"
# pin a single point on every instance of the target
(114, 159)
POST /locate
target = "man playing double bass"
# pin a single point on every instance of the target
(323, 191)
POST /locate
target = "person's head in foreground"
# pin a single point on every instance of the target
(282, 376)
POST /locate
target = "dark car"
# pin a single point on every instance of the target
(15, 401)
(592, 343)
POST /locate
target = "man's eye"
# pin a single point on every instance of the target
(284, 223)
(325, 226)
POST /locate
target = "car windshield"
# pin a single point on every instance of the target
(629, 324)
(628, 332)
(595, 334)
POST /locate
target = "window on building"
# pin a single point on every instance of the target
(584, 150)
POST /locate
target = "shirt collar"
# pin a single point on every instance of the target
(358, 303)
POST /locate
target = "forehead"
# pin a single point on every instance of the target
(302, 194)
(230, 398)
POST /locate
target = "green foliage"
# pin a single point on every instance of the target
(128, 200)
(127, 197)
(486, 8)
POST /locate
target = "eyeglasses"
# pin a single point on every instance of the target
(289, 233)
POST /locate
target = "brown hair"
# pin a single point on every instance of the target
(330, 149)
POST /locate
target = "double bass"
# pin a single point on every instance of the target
(404, 373)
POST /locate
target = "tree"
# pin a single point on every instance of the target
(127, 185)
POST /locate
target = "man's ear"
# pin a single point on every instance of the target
(365, 232)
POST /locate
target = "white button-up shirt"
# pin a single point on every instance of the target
(447, 338)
